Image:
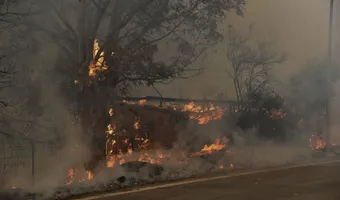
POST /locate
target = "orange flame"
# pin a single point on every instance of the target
(203, 114)
(142, 102)
(98, 65)
(75, 175)
(216, 146)
(277, 114)
(316, 142)
(145, 152)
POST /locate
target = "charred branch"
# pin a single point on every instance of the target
(175, 100)
(250, 65)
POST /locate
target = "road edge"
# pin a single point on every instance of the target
(198, 180)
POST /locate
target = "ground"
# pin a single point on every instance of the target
(318, 182)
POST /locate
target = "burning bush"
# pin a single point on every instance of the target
(268, 114)
(140, 133)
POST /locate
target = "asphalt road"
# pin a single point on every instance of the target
(320, 182)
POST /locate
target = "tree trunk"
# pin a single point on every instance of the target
(93, 106)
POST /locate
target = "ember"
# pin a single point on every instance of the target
(75, 175)
(316, 142)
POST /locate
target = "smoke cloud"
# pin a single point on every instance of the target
(299, 28)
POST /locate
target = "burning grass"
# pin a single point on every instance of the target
(126, 150)
(139, 173)
(135, 154)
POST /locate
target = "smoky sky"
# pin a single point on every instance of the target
(297, 27)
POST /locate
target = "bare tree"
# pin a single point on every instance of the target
(15, 47)
(250, 64)
(7, 19)
(6, 77)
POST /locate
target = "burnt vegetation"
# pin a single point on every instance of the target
(71, 64)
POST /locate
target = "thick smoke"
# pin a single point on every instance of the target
(302, 34)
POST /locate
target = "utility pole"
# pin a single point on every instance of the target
(329, 100)
(33, 167)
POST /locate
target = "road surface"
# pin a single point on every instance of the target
(321, 182)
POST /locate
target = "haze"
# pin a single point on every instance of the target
(299, 28)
